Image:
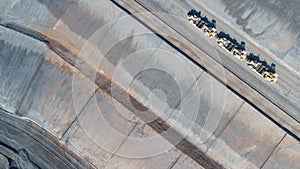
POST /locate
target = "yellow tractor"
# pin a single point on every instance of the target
(239, 53)
(225, 44)
(272, 77)
(236, 50)
(222, 41)
(194, 16)
(232, 45)
(210, 31)
(260, 68)
(209, 27)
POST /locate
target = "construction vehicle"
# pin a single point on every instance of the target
(194, 16)
(225, 44)
(272, 77)
(208, 27)
(210, 31)
(240, 51)
(232, 46)
(261, 68)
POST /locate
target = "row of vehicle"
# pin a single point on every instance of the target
(232, 46)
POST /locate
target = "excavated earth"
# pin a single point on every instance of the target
(85, 85)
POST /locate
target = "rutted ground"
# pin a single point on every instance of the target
(45, 94)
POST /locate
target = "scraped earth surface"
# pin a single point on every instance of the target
(57, 103)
